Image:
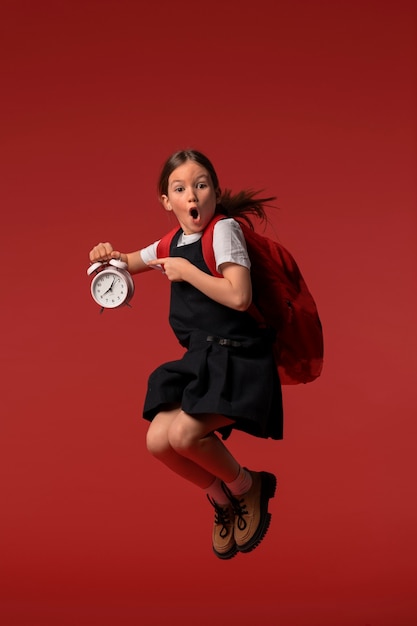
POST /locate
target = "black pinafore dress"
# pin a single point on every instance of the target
(228, 367)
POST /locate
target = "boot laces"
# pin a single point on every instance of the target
(239, 507)
(221, 516)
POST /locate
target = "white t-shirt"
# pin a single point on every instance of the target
(229, 244)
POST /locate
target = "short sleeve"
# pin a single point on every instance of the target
(229, 244)
(149, 253)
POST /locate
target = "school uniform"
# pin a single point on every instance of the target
(228, 367)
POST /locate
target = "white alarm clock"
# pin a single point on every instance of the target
(112, 285)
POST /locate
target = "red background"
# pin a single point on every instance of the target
(313, 102)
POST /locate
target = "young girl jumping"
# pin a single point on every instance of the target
(227, 378)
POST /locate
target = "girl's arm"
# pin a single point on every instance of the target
(105, 252)
(233, 290)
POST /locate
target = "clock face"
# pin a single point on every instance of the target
(110, 288)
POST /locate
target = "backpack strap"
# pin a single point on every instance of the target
(164, 245)
(207, 245)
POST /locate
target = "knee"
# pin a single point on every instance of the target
(157, 442)
(182, 436)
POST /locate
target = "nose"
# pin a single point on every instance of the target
(192, 196)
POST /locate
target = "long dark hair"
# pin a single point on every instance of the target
(243, 204)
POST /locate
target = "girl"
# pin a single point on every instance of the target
(227, 378)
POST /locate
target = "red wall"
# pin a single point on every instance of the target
(315, 103)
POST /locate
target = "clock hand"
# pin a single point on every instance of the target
(114, 283)
(111, 286)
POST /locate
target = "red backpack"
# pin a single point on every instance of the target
(281, 300)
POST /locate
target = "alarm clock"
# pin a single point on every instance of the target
(112, 285)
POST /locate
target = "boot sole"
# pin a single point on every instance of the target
(268, 488)
(225, 556)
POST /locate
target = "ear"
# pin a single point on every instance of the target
(166, 203)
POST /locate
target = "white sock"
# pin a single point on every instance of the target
(241, 484)
(216, 492)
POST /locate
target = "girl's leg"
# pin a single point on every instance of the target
(190, 448)
(194, 439)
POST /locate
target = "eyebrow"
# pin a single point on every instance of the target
(177, 180)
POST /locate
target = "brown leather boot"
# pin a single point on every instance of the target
(224, 545)
(251, 511)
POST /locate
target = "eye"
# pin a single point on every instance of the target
(179, 189)
(201, 185)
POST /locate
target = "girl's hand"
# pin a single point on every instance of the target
(175, 269)
(105, 252)
(234, 289)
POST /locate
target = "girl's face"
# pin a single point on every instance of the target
(191, 197)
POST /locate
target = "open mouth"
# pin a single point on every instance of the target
(194, 214)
